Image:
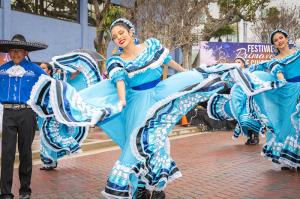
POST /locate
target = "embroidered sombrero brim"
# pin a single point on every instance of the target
(6, 45)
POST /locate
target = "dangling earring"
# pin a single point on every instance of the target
(136, 41)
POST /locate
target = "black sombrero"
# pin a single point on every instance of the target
(19, 42)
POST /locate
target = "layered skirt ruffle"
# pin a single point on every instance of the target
(235, 106)
(244, 113)
(277, 109)
(58, 140)
(50, 97)
(141, 129)
(261, 102)
(156, 112)
(278, 112)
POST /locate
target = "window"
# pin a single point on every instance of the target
(91, 13)
(66, 10)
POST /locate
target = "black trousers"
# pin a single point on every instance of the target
(18, 125)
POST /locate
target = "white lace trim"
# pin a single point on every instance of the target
(55, 58)
(224, 114)
(154, 65)
(36, 89)
(86, 73)
(209, 106)
(16, 71)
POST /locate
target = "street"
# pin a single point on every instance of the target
(212, 164)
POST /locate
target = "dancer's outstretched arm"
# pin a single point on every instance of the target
(121, 92)
(176, 66)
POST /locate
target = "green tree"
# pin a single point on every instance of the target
(231, 11)
(171, 21)
(223, 31)
(179, 23)
(282, 17)
(105, 14)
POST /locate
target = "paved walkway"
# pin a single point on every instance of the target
(213, 166)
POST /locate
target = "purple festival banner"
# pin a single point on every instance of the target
(226, 52)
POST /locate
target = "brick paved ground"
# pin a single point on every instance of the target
(213, 166)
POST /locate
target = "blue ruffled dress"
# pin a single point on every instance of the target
(142, 127)
(278, 109)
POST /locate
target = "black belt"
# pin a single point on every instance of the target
(16, 106)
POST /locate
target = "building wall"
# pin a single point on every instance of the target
(1, 22)
(61, 36)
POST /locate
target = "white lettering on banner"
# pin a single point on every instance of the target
(257, 52)
(241, 52)
(254, 61)
(260, 48)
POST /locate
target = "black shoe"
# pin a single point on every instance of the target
(250, 138)
(286, 168)
(255, 140)
(248, 142)
(24, 196)
(158, 195)
(143, 193)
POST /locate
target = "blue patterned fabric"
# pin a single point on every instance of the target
(244, 113)
(236, 105)
(74, 61)
(218, 107)
(142, 126)
(272, 103)
(156, 110)
(58, 139)
(278, 109)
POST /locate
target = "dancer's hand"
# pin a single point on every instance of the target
(280, 76)
(123, 102)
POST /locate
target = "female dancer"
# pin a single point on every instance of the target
(279, 108)
(135, 108)
(156, 106)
